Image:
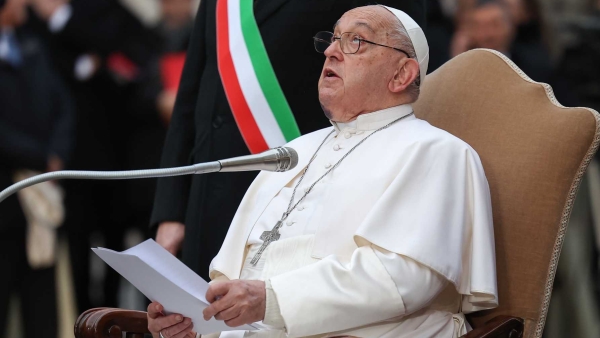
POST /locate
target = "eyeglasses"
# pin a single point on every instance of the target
(349, 42)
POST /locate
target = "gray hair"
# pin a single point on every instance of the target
(400, 38)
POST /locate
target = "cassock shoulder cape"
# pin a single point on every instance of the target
(412, 189)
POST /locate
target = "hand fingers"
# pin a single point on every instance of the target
(216, 307)
(235, 322)
(161, 323)
(178, 331)
(154, 310)
(228, 314)
(216, 295)
(217, 290)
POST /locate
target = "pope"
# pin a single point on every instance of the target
(384, 229)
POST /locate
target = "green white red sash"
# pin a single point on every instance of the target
(254, 94)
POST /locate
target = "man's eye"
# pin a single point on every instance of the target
(356, 39)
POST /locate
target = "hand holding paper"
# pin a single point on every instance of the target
(236, 302)
(162, 278)
(174, 325)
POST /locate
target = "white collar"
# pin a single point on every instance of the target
(374, 120)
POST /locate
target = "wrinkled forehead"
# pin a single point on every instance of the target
(373, 19)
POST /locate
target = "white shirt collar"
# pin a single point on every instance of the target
(374, 120)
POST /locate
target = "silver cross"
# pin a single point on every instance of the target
(267, 237)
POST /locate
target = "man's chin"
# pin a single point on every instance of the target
(328, 94)
(326, 111)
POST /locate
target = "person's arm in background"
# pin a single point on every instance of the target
(172, 193)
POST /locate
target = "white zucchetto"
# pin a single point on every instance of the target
(417, 37)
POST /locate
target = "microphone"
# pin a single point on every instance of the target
(278, 160)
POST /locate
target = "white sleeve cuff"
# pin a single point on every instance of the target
(273, 316)
(60, 18)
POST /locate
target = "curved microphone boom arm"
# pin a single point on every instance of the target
(277, 159)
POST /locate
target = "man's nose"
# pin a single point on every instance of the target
(334, 51)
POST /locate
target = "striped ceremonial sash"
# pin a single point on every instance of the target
(258, 104)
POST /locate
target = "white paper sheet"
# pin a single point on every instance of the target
(163, 278)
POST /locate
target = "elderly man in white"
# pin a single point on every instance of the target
(384, 229)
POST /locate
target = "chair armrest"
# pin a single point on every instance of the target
(499, 327)
(111, 323)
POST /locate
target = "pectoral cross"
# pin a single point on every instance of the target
(267, 237)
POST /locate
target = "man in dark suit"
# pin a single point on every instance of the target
(203, 127)
(36, 122)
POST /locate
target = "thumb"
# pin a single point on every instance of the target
(155, 310)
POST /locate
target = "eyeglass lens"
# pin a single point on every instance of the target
(322, 41)
(349, 42)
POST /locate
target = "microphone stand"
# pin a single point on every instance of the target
(277, 159)
(200, 168)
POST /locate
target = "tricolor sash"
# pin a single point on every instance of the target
(256, 99)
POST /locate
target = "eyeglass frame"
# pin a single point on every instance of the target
(333, 37)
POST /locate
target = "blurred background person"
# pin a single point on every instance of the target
(175, 28)
(106, 57)
(36, 129)
(492, 24)
(527, 16)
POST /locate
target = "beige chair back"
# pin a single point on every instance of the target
(534, 152)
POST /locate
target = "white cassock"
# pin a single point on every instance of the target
(395, 242)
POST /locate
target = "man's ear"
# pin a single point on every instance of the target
(405, 74)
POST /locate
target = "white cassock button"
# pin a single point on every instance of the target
(328, 165)
(289, 223)
(306, 189)
(359, 132)
(336, 147)
(300, 208)
(347, 135)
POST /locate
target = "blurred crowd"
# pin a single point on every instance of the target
(83, 85)
(529, 33)
(89, 85)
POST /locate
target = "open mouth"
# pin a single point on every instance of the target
(329, 73)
